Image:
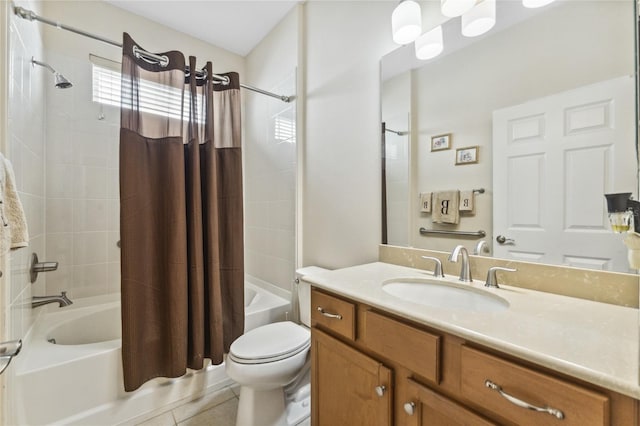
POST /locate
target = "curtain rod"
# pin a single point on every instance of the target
(32, 16)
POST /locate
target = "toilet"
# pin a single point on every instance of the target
(272, 365)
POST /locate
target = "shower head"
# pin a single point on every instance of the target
(60, 81)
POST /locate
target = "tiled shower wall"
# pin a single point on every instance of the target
(82, 219)
(26, 151)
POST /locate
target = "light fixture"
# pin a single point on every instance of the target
(406, 22)
(532, 4)
(453, 8)
(479, 19)
(430, 44)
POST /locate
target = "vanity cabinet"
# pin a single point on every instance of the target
(348, 387)
(370, 367)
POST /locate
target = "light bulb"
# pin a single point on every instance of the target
(406, 22)
(532, 4)
(430, 44)
(479, 19)
(453, 8)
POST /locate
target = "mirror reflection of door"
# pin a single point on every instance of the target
(530, 54)
(553, 159)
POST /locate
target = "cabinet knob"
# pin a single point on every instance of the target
(380, 390)
(410, 408)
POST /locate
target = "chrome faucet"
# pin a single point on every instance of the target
(465, 270)
(492, 280)
(481, 247)
(437, 269)
(62, 300)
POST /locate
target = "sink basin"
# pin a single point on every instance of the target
(443, 294)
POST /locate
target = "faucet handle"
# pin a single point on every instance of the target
(492, 280)
(437, 270)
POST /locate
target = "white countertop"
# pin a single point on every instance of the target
(592, 341)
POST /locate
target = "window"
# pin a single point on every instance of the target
(284, 129)
(154, 98)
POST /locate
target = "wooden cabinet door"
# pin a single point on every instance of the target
(432, 409)
(348, 387)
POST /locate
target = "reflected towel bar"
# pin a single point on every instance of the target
(477, 234)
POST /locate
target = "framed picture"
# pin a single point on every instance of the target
(440, 142)
(468, 155)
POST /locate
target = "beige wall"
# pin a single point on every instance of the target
(344, 42)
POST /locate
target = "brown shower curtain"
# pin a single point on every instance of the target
(182, 266)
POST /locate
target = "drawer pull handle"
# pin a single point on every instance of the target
(410, 408)
(329, 314)
(520, 403)
(380, 390)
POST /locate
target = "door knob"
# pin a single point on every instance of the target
(501, 239)
(380, 390)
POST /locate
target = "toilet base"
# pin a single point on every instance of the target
(272, 407)
(261, 407)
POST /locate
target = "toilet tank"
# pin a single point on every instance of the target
(304, 292)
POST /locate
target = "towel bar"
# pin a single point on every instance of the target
(477, 234)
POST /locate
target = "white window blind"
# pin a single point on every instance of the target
(154, 98)
(284, 129)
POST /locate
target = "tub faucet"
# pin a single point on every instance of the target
(62, 300)
(465, 270)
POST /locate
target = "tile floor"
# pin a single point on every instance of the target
(215, 409)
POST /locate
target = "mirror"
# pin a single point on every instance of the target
(540, 113)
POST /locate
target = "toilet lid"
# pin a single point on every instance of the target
(270, 343)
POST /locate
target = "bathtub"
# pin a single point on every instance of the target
(78, 379)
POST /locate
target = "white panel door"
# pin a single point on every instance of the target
(554, 158)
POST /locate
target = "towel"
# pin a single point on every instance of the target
(467, 201)
(13, 223)
(445, 207)
(425, 202)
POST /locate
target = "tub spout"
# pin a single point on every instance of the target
(62, 300)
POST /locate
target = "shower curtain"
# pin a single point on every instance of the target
(182, 267)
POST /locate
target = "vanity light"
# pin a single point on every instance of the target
(406, 22)
(532, 4)
(479, 19)
(453, 8)
(430, 44)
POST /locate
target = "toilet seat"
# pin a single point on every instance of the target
(270, 343)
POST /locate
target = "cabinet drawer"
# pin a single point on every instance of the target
(578, 406)
(433, 409)
(332, 313)
(411, 347)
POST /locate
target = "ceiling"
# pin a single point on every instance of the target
(237, 26)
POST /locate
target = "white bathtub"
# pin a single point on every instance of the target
(79, 381)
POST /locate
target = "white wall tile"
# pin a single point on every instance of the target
(60, 181)
(60, 249)
(90, 215)
(89, 247)
(90, 182)
(60, 216)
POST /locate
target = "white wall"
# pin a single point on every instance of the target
(270, 163)
(344, 42)
(83, 137)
